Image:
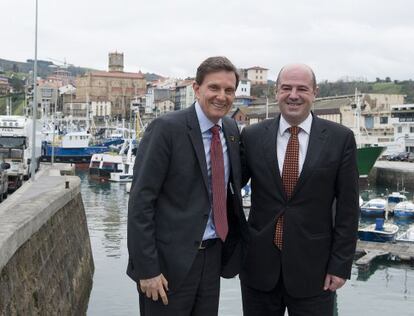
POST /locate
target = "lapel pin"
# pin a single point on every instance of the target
(232, 139)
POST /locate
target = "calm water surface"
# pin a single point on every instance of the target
(387, 289)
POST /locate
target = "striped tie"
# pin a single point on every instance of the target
(290, 176)
(217, 184)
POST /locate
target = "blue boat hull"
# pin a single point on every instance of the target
(375, 236)
(403, 214)
(372, 213)
(71, 154)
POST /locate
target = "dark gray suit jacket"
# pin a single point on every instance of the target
(317, 239)
(169, 200)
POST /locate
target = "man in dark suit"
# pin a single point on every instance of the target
(304, 213)
(185, 219)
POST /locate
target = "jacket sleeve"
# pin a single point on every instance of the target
(347, 212)
(150, 170)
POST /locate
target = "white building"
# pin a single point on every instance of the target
(402, 118)
(101, 108)
(164, 106)
(244, 88)
(184, 94)
(256, 74)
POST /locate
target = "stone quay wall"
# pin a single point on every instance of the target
(46, 263)
(394, 175)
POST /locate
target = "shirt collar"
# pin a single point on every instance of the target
(203, 120)
(304, 126)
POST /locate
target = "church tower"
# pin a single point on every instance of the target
(116, 62)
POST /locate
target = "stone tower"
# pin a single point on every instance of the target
(116, 62)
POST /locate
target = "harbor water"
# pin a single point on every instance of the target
(386, 289)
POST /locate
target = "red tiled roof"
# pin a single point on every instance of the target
(257, 68)
(117, 74)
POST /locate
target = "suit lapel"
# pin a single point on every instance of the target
(270, 147)
(316, 144)
(197, 141)
(232, 146)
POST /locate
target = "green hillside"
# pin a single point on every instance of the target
(17, 104)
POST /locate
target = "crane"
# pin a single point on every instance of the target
(63, 63)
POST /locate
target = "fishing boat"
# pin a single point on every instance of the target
(75, 147)
(367, 154)
(404, 209)
(117, 167)
(378, 232)
(366, 158)
(374, 207)
(407, 236)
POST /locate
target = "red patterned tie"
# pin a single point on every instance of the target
(290, 176)
(217, 184)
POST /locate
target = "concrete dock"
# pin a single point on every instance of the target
(400, 251)
(46, 263)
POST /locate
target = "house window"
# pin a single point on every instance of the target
(399, 129)
(411, 129)
(369, 122)
(384, 120)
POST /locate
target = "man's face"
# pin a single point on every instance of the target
(295, 93)
(216, 94)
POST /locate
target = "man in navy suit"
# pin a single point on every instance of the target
(303, 229)
(185, 219)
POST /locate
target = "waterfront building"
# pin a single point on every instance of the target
(115, 86)
(256, 74)
(376, 128)
(4, 86)
(164, 105)
(243, 89)
(183, 94)
(47, 98)
(402, 119)
(101, 109)
(154, 94)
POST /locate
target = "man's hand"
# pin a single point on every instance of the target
(155, 287)
(333, 282)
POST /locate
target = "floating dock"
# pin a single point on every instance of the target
(400, 251)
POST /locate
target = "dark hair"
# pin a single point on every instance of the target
(215, 64)
(312, 73)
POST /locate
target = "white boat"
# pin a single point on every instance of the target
(407, 236)
(374, 207)
(246, 201)
(128, 187)
(127, 172)
(112, 166)
(378, 232)
(120, 177)
(361, 201)
(395, 198)
(404, 210)
(246, 197)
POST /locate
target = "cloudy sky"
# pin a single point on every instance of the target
(338, 38)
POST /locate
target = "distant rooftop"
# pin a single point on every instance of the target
(131, 75)
(256, 68)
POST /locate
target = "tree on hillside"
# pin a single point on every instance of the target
(16, 83)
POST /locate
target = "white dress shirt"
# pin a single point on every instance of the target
(283, 136)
